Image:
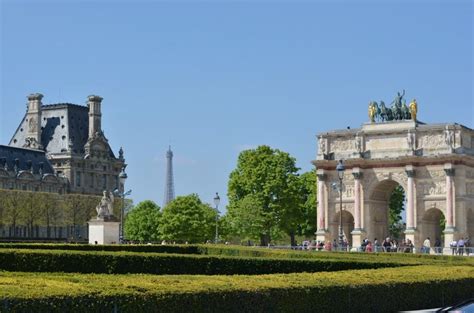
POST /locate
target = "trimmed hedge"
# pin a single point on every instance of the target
(180, 249)
(404, 258)
(382, 290)
(154, 263)
(240, 251)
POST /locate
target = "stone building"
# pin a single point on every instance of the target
(60, 148)
(433, 163)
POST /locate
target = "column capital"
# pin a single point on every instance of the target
(321, 174)
(410, 173)
(449, 169)
(357, 173)
(449, 172)
(321, 177)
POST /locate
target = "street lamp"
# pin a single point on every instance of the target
(120, 192)
(340, 168)
(217, 200)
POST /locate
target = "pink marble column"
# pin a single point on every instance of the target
(357, 200)
(410, 199)
(321, 202)
(449, 197)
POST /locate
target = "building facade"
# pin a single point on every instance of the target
(60, 148)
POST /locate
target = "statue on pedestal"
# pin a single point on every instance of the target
(105, 207)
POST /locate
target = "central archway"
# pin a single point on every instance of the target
(386, 211)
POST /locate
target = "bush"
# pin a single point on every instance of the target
(382, 290)
(404, 258)
(181, 249)
(153, 263)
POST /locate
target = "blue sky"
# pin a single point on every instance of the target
(213, 78)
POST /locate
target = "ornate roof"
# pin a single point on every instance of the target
(24, 159)
(64, 129)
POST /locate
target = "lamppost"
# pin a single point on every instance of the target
(217, 200)
(340, 168)
(120, 192)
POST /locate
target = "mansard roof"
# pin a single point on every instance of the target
(64, 128)
(25, 159)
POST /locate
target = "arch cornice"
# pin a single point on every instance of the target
(330, 165)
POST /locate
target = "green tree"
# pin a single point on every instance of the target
(143, 222)
(78, 209)
(51, 213)
(308, 193)
(11, 203)
(263, 188)
(187, 219)
(396, 201)
(30, 211)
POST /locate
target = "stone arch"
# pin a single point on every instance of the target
(430, 225)
(347, 225)
(377, 211)
(470, 225)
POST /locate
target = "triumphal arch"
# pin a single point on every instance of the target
(433, 163)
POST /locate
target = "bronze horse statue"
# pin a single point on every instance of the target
(385, 113)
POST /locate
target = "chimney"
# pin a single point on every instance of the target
(95, 116)
(33, 120)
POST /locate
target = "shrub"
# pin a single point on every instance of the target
(381, 290)
(153, 263)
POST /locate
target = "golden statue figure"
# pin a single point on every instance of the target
(413, 109)
(372, 112)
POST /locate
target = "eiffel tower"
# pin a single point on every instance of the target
(169, 186)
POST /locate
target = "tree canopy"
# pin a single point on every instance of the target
(396, 201)
(264, 195)
(187, 219)
(143, 222)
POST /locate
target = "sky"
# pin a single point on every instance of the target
(214, 78)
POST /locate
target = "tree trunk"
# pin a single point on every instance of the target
(264, 240)
(292, 238)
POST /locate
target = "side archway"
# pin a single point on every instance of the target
(347, 225)
(432, 225)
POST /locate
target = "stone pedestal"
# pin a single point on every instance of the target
(357, 236)
(104, 231)
(322, 235)
(412, 236)
(449, 233)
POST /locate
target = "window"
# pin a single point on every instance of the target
(78, 179)
(104, 181)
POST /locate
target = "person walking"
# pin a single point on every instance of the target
(467, 245)
(427, 245)
(461, 246)
(454, 245)
(437, 246)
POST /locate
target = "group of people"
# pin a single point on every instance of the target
(388, 245)
(461, 246)
(458, 247)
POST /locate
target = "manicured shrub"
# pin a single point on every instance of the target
(381, 290)
(154, 263)
(181, 249)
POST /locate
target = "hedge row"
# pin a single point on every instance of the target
(154, 263)
(404, 258)
(382, 290)
(181, 249)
